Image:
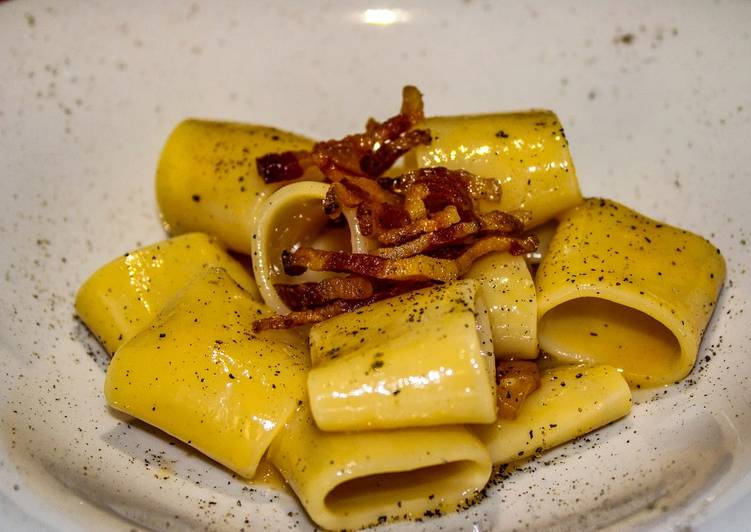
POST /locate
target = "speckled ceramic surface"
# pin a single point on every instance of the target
(656, 100)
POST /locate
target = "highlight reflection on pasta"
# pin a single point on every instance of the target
(375, 338)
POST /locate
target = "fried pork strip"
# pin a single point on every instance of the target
(339, 306)
(440, 220)
(430, 241)
(362, 154)
(415, 268)
(304, 296)
(515, 380)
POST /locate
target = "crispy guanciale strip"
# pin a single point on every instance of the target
(443, 187)
(308, 317)
(429, 241)
(360, 154)
(501, 222)
(477, 187)
(416, 268)
(425, 192)
(302, 317)
(419, 268)
(304, 296)
(414, 202)
(515, 380)
(488, 244)
(285, 166)
(377, 162)
(375, 210)
(373, 218)
(440, 224)
(440, 220)
(352, 191)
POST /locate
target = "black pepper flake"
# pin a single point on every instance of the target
(196, 198)
(231, 376)
(162, 335)
(501, 134)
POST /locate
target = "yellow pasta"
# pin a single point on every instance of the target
(423, 358)
(527, 151)
(200, 374)
(622, 289)
(509, 294)
(207, 178)
(123, 297)
(348, 480)
(571, 401)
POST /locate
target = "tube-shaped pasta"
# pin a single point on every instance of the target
(348, 480)
(200, 374)
(291, 216)
(527, 151)
(123, 297)
(571, 401)
(207, 178)
(622, 289)
(509, 294)
(423, 358)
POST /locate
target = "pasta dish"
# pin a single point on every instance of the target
(366, 316)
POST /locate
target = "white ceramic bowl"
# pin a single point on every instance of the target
(656, 99)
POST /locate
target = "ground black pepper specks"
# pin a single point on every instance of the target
(666, 133)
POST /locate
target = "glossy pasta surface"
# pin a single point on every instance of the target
(207, 178)
(508, 290)
(355, 479)
(622, 289)
(571, 401)
(123, 297)
(420, 359)
(527, 151)
(200, 374)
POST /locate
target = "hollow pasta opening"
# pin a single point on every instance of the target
(384, 490)
(304, 224)
(595, 330)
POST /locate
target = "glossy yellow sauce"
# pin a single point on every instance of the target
(269, 477)
(627, 339)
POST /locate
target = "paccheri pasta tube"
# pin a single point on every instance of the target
(571, 401)
(527, 151)
(207, 178)
(622, 289)
(353, 479)
(200, 374)
(508, 290)
(123, 297)
(422, 358)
